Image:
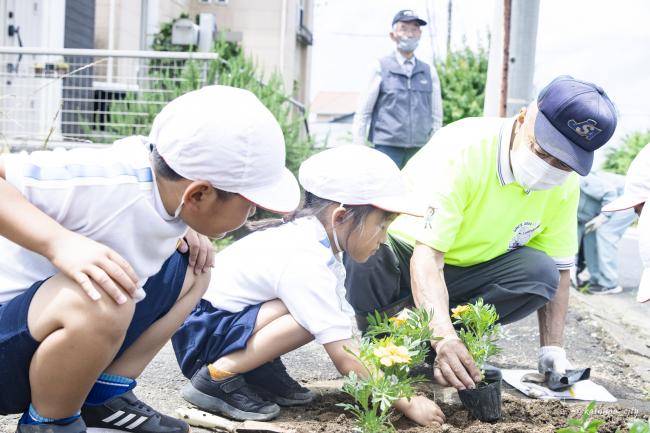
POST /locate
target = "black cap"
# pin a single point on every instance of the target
(407, 15)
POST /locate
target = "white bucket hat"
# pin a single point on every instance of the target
(637, 183)
(226, 136)
(358, 175)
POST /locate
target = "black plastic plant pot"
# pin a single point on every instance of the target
(484, 401)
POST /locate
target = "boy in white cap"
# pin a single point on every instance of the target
(282, 286)
(212, 156)
(637, 191)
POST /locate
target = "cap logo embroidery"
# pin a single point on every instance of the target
(586, 129)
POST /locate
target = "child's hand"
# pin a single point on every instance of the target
(201, 251)
(86, 262)
(421, 410)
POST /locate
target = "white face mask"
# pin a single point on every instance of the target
(177, 212)
(336, 239)
(532, 172)
(408, 45)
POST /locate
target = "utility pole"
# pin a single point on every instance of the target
(505, 60)
(449, 16)
(517, 64)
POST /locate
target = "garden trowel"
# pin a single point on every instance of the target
(198, 418)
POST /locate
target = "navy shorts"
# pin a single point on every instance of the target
(209, 333)
(17, 346)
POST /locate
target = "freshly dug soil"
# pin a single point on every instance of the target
(518, 416)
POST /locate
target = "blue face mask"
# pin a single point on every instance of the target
(408, 45)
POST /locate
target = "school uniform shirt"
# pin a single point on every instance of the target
(477, 210)
(294, 263)
(108, 195)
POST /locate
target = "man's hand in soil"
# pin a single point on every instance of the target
(86, 262)
(454, 365)
(421, 410)
(201, 251)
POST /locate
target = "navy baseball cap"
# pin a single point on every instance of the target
(407, 15)
(575, 118)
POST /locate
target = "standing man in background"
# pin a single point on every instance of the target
(403, 101)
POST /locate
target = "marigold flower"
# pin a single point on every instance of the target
(457, 312)
(390, 354)
(401, 318)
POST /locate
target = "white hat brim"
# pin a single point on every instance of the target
(622, 203)
(405, 204)
(643, 295)
(281, 196)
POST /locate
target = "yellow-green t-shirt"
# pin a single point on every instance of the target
(477, 211)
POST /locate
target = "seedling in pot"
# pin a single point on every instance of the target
(479, 331)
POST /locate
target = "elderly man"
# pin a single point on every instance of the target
(501, 223)
(402, 103)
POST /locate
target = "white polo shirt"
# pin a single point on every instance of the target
(292, 262)
(108, 195)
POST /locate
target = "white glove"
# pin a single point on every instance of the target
(594, 223)
(552, 359)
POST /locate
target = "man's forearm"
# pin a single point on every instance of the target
(429, 288)
(553, 315)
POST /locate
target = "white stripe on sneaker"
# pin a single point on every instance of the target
(116, 415)
(124, 420)
(137, 422)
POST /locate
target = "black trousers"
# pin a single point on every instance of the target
(517, 283)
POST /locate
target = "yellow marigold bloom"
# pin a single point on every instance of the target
(401, 318)
(459, 311)
(391, 354)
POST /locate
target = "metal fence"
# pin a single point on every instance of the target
(68, 96)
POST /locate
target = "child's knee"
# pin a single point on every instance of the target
(62, 303)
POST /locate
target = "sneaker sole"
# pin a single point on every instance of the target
(613, 291)
(282, 401)
(219, 407)
(112, 430)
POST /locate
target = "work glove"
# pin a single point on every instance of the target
(594, 223)
(552, 359)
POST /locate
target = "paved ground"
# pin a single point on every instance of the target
(611, 334)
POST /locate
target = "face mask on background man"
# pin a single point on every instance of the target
(408, 44)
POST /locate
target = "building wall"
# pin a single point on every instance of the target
(78, 95)
(267, 27)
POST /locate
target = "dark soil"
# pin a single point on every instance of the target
(518, 416)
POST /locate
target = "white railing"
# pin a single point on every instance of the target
(66, 96)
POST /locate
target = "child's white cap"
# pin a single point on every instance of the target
(637, 183)
(358, 175)
(227, 137)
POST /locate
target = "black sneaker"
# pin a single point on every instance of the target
(272, 382)
(127, 413)
(76, 426)
(596, 289)
(230, 397)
